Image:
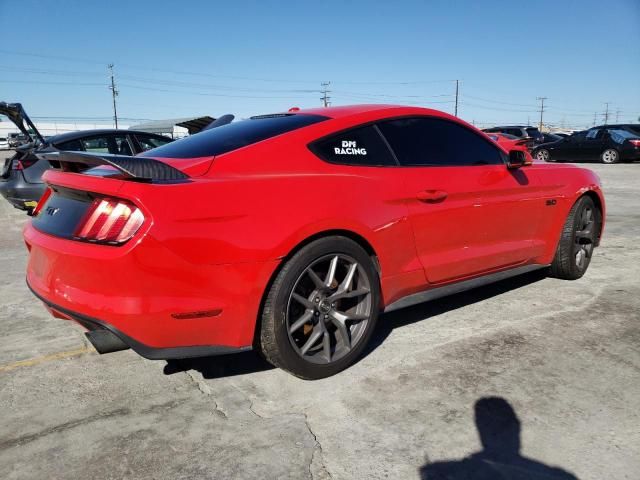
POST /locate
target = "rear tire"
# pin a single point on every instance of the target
(578, 239)
(544, 155)
(321, 309)
(609, 156)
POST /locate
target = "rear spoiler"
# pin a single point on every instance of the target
(141, 169)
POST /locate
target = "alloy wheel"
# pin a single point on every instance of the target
(543, 155)
(329, 308)
(584, 237)
(610, 156)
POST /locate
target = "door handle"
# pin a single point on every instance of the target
(431, 196)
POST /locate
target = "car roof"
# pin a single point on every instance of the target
(65, 137)
(349, 110)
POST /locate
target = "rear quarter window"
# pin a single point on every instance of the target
(233, 136)
(358, 146)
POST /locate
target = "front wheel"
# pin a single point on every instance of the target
(321, 309)
(610, 155)
(578, 239)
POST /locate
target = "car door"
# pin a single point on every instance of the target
(593, 144)
(569, 148)
(469, 213)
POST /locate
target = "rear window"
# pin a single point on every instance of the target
(533, 132)
(233, 136)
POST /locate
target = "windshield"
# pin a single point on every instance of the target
(232, 136)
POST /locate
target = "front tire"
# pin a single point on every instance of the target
(610, 155)
(321, 309)
(578, 239)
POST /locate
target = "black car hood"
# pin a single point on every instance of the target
(15, 113)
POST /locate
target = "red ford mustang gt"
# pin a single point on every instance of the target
(289, 233)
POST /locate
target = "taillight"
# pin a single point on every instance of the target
(635, 142)
(110, 220)
(42, 201)
(24, 163)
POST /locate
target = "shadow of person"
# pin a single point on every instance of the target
(499, 431)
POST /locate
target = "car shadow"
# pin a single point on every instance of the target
(251, 362)
(388, 322)
(499, 429)
(220, 366)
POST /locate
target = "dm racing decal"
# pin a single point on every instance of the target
(349, 147)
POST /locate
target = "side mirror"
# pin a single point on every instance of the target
(517, 159)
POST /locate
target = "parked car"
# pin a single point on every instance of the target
(608, 144)
(288, 233)
(509, 142)
(17, 139)
(4, 143)
(21, 175)
(551, 137)
(532, 134)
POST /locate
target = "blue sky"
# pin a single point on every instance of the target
(177, 59)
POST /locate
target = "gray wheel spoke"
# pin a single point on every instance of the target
(315, 336)
(317, 281)
(331, 274)
(306, 316)
(303, 301)
(326, 346)
(344, 332)
(353, 293)
(343, 316)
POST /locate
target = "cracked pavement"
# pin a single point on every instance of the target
(565, 355)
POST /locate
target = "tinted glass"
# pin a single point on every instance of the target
(358, 146)
(148, 142)
(96, 145)
(70, 146)
(593, 133)
(533, 132)
(516, 132)
(437, 142)
(233, 136)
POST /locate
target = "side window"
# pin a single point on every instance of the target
(96, 145)
(358, 146)
(432, 141)
(594, 133)
(148, 142)
(516, 132)
(70, 146)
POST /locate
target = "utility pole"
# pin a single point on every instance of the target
(617, 115)
(325, 98)
(606, 113)
(542, 99)
(595, 118)
(114, 94)
(456, 111)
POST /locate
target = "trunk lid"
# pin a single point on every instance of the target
(16, 113)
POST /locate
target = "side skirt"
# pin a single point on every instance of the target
(452, 288)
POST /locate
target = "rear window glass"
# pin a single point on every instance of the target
(233, 136)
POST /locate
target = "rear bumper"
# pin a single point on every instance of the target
(117, 340)
(19, 192)
(147, 295)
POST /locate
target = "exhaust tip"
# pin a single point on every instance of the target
(105, 341)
